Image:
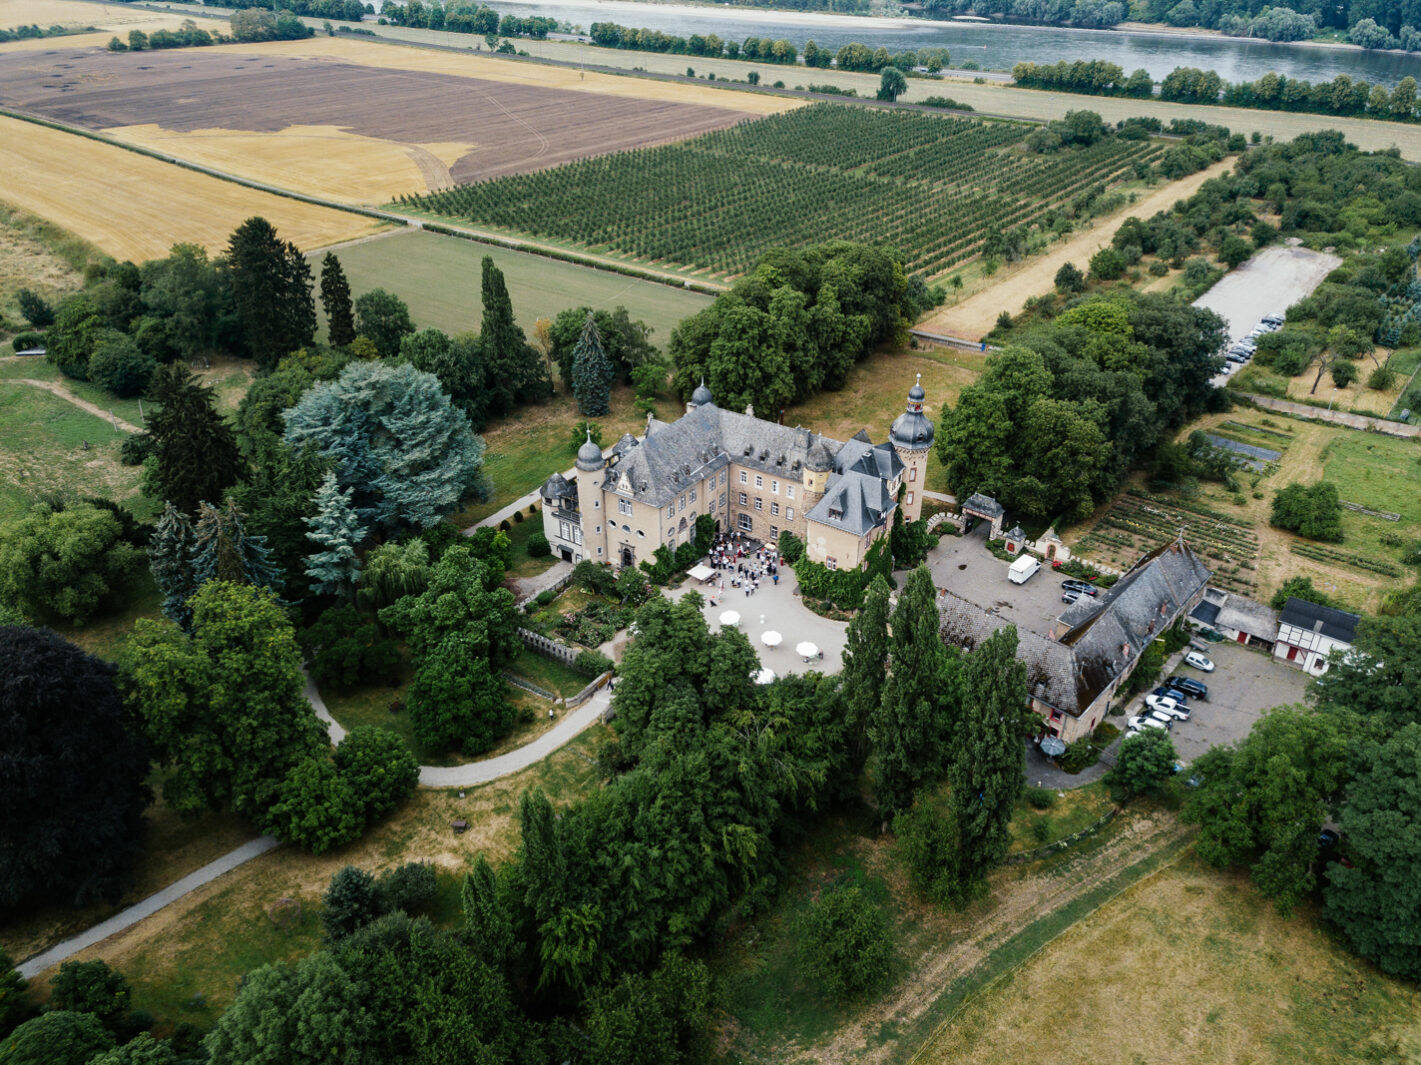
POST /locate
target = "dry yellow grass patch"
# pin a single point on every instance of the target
(327, 160)
(137, 208)
(1189, 965)
(110, 19)
(369, 53)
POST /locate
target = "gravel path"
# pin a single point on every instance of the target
(149, 906)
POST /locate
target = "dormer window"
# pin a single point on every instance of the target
(836, 513)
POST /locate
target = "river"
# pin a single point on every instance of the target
(991, 46)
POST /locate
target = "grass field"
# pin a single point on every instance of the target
(38, 255)
(42, 451)
(930, 186)
(133, 207)
(438, 277)
(108, 20)
(1187, 965)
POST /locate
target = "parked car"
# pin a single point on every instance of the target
(1073, 585)
(1195, 689)
(1199, 661)
(1144, 721)
(1071, 597)
(1275, 320)
(1166, 708)
(1165, 691)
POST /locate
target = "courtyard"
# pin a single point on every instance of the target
(964, 566)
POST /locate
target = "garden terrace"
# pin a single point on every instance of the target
(1138, 522)
(930, 186)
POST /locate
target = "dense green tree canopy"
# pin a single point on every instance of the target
(1143, 762)
(65, 564)
(383, 319)
(224, 708)
(72, 790)
(1379, 679)
(271, 288)
(625, 341)
(58, 1038)
(395, 439)
(195, 453)
(1309, 510)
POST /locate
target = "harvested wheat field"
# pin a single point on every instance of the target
(358, 132)
(107, 20)
(133, 207)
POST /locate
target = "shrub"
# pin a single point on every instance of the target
(517, 517)
(67, 563)
(1313, 511)
(316, 807)
(1383, 379)
(345, 647)
(538, 546)
(351, 902)
(1041, 798)
(844, 942)
(36, 309)
(410, 887)
(1158, 269)
(90, 987)
(120, 366)
(1144, 761)
(62, 1037)
(592, 663)
(1041, 829)
(1107, 264)
(27, 341)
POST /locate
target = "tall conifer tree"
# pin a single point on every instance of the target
(196, 453)
(222, 550)
(516, 373)
(865, 668)
(909, 727)
(271, 286)
(592, 372)
(986, 767)
(170, 558)
(335, 298)
(336, 567)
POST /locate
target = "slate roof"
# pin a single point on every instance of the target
(707, 438)
(1103, 635)
(1337, 624)
(862, 455)
(1206, 613)
(981, 504)
(558, 487)
(855, 502)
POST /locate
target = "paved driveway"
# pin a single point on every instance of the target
(963, 566)
(1244, 684)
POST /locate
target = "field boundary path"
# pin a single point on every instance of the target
(68, 396)
(976, 315)
(152, 904)
(1365, 423)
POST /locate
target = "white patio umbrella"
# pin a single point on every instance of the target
(807, 649)
(765, 676)
(771, 638)
(730, 619)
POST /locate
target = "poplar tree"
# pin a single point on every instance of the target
(335, 298)
(271, 287)
(195, 451)
(987, 765)
(335, 527)
(516, 373)
(170, 559)
(865, 667)
(223, 551)
(910, 724)
(592, 372)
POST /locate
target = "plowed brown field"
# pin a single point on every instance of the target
(347, 130)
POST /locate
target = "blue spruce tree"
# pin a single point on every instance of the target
(592, 371)
(170, 559)
(336, 528)
(222, 550)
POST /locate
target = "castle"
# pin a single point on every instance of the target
(750, 475)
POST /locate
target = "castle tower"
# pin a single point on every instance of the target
(589, 467)
(912, 436)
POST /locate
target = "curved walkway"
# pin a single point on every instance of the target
(69, 397)
(1366, 423)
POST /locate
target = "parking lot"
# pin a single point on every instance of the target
(1244, 684)
(963, 566)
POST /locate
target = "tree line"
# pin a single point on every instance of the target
(462, 16)
(1273, 92)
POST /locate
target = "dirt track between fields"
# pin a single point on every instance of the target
(69, 397)
(975, 316)
(1017, 899)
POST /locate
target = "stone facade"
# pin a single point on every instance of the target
(751, 475)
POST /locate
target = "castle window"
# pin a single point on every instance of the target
(744, 477)
(789, 513)
(775, 509)
(831, 563)
(721, 504)
(836, 513)
(745, 523)
(671, 511)
(759, 503)
(775, 487)
(759, 481)
(693, 495)
(774, 532)
(789, 491)
(682, 503)
(624, 506)
(722, 477)
(912, 473)
(577, 537)
(910, 499)
(742, 499)
(565, 530)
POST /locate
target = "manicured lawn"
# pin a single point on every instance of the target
(548, 674)
(1381, 473)
(521, 564)
(439, 277)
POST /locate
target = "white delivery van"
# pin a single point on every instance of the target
(1022, 569)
